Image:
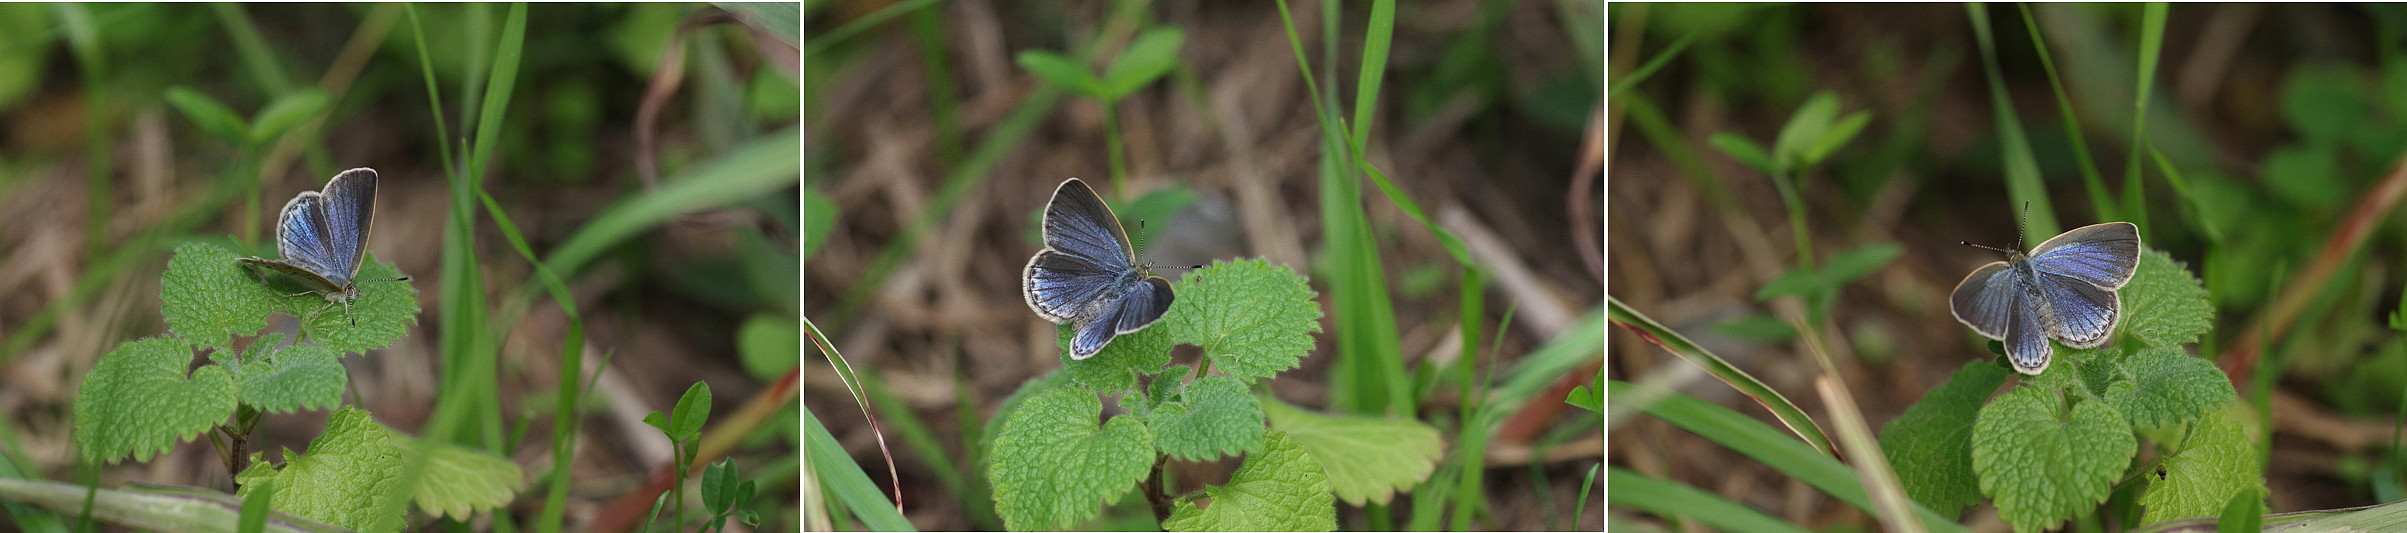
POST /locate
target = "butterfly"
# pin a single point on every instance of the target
(2064, 289)
(1087, 274)
(324, 235)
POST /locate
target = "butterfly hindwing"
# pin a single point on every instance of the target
(1143, 304)
(2084, 314)
(2027, 339)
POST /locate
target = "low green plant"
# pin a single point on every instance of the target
(145, 396)
(683, 425)
(2058, 445)
(1054, 466)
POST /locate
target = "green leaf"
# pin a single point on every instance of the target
(1743, 149)
(1279, 489)
(2324, 103)
(2245, 512)
(719, 486)
(818, 220)
(2308, 175)
(208, 297)
(285, 112)
(1253, 318)
(1215, 416)
(1028, 389)
(1368, 458)
(349, 473)
(1756, 327)
(2165, 386)
(1841, 269)
(1590, 396)
(289, 380)
(1052, 467)
(1630, 489)
(460, 482)
(768, 345)
(782, 20)
(1165, 388)
(212, 117)
(138, 401)
(1931, 444)
(1151, 55)
(2164, 305)
(1116, 367)
(1062, 72)
(1845, 130)
(693, 409)
(2216, 463)
(1804, 131)
(2043, 469)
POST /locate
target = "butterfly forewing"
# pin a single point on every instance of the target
(2105, 255)
(1985, 300)
(1059, 286)
(1078, 223)
(350, 203)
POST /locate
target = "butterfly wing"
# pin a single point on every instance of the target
(301, 235)
(350, 201)
(1078, 223)
(1984, 301)
(2105, 255)
(1142, 304)
(1065, 287)
(2027, 337)
(2078, 273)
(1084, 259)
(2084, 314)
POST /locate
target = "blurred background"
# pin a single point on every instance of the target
(2269, 165)
(110, 157)
(934, 152)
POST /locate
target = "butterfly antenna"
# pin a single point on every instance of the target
(2022, 225)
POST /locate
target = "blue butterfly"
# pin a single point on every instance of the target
(324, 235)
(2064, 289)
(1087, 275)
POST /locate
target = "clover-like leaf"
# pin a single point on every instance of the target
(1279, 489)
(1253, 318)
(1932, 442)
(2042, 467)
(1052, 467)
(348, 476)
(2215, 462)
(2164, 305)
(139, 402)
(1367, 458)
(458, 482)
(1215, 416)
(2166, 386)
